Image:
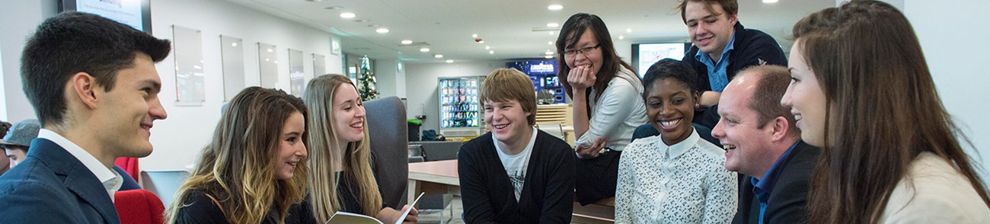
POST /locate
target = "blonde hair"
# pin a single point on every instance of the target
(506, 84)
(237, 168)
(356, 159)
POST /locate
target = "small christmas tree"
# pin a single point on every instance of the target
(366, 81)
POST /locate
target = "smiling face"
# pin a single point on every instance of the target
(592, 58)
(670, 105)
(747, 142)
(507, 121)
(709, 30)
(806, 99)
(125, 114)
(291, 148)
(348, 112)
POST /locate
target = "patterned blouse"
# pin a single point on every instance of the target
(682, 183)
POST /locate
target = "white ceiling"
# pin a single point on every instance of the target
(506, 25)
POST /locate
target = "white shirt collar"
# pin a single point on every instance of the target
(678, 149)
(529, 146)
(110, 179)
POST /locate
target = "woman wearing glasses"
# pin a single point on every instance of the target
(606, 99)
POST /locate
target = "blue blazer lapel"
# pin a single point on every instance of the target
(75, 177)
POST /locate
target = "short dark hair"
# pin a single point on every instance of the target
(73, 42)
(771, 83)
(671, 68)
(729, 6)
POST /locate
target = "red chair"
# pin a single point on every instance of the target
(139, 206)
(129, 164)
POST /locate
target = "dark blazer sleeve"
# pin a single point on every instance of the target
(474, 190)
(788, 203)
(30, 202)
(558, 202)
(199, 209)
(762, 49)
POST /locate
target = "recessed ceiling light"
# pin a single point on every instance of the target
(548, 56)
(491, 52)
(437, 56)
(406, 42)
(550, 32)
(621, 37)
(488, 47)
(628, 30)
(480, 41)
(449, 61)
(548, 52)
(425, 49)
(769, 1)
(474, 35)
(347, 15)
(382, 30)
(549, 42)
(555, 7)
(234, 44)
(269, 50)
(552, 25)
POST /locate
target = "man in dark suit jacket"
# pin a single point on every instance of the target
(94, 87)
(762, 142)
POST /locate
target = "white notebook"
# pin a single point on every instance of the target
(353, 218)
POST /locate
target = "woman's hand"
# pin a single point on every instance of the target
(581, 77)
(592, 151)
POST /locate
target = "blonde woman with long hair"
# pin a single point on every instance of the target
(342, 177)
(254, 170)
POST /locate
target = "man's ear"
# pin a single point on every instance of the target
(84, 86)
(733, 19)
(780, 128)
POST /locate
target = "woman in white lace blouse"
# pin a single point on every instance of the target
(676, 177)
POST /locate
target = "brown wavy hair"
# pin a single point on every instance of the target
(883, 110)
(238, 167)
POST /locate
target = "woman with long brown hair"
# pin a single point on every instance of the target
(254, 170)
(607, 106)
(342, 177)
(862, 91)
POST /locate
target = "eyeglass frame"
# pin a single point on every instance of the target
(582, 51)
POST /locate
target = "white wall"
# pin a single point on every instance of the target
(179, 139)
(953, 46)
(386, 73)
(18, 20)
(421, 85)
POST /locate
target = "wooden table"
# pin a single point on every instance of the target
(433, 177)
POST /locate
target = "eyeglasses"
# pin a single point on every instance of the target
(584, 50)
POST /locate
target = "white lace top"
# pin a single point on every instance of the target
(682, 183)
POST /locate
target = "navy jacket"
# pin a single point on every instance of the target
(52, 186)
(789, 195)
(751, 47)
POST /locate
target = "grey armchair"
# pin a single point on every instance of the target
(387, 131)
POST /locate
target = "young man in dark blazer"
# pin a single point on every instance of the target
(94, 87)
(762, 142)
(721, 48)
(515, 173)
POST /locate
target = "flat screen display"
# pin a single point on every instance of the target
(134, 13)
(651, 53)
